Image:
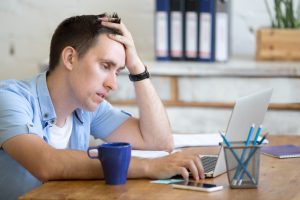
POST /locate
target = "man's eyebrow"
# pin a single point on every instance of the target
(121, 68)
(112, 63)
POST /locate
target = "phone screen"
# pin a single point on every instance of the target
(193, 184)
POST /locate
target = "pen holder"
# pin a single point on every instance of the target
(242, 164)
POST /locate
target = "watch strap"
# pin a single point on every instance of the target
(141, 76)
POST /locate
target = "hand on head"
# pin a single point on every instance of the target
(133, 62)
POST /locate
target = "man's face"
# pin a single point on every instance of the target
(94, 75)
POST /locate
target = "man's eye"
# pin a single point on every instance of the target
(105, 66)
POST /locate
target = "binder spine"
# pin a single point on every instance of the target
(222, 27)
(162, 30)
(191, 30)
(206, 30)
(177, 29)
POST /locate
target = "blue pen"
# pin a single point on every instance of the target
(254, 142)
(237, 158)
(238, 170)
(252, 153)
(257, 134)
(259, 143)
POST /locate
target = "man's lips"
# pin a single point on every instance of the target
(102, 95)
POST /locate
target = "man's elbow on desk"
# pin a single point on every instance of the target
(165, 141)
(166, 144)
(42, 175)
(159, 139)
(169, 147)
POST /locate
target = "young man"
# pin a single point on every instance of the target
(46, 120)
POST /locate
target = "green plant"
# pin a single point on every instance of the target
(284, 21)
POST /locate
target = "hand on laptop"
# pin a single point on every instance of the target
(174, 164)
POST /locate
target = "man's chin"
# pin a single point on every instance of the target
(91, 108)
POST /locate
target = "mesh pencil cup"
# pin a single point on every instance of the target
(242, 163)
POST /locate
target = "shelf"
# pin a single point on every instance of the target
(237, 66)
(244, 67)
(295, 106)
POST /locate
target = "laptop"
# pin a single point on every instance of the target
(247, 110)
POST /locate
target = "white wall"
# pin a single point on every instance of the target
(26, 27)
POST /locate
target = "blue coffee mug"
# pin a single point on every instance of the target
(115, 158)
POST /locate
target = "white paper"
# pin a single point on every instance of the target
(161, 34)
(183, 140)
(205, 139)
(142, 153)
(93, 151)
(148, 154)
(191, 35)
(176, 34)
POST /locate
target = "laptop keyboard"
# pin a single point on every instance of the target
(209, 163)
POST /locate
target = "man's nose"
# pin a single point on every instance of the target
(111, 82)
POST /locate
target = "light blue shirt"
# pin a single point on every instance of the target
(26, 107)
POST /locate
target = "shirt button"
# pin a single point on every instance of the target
(30, 125)
(46, 115)
(52, 121)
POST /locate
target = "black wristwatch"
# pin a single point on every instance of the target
(141, 76)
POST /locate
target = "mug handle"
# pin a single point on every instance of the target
(88, 152)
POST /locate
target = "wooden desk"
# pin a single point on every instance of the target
(279, 179)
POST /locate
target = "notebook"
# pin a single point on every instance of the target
(284, 151)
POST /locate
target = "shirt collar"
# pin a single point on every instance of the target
(46, 106)
(78, 114)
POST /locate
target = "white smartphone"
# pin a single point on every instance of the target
(204, 187)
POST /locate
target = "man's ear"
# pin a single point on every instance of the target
(68, 57)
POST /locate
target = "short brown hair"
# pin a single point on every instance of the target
(79, 32)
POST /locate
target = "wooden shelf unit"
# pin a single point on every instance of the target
(236, 67)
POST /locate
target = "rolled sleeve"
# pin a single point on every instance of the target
(107, 119)
(15, 116)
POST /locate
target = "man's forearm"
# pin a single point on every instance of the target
(154, 122)
(77, 165)
(72, 164)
